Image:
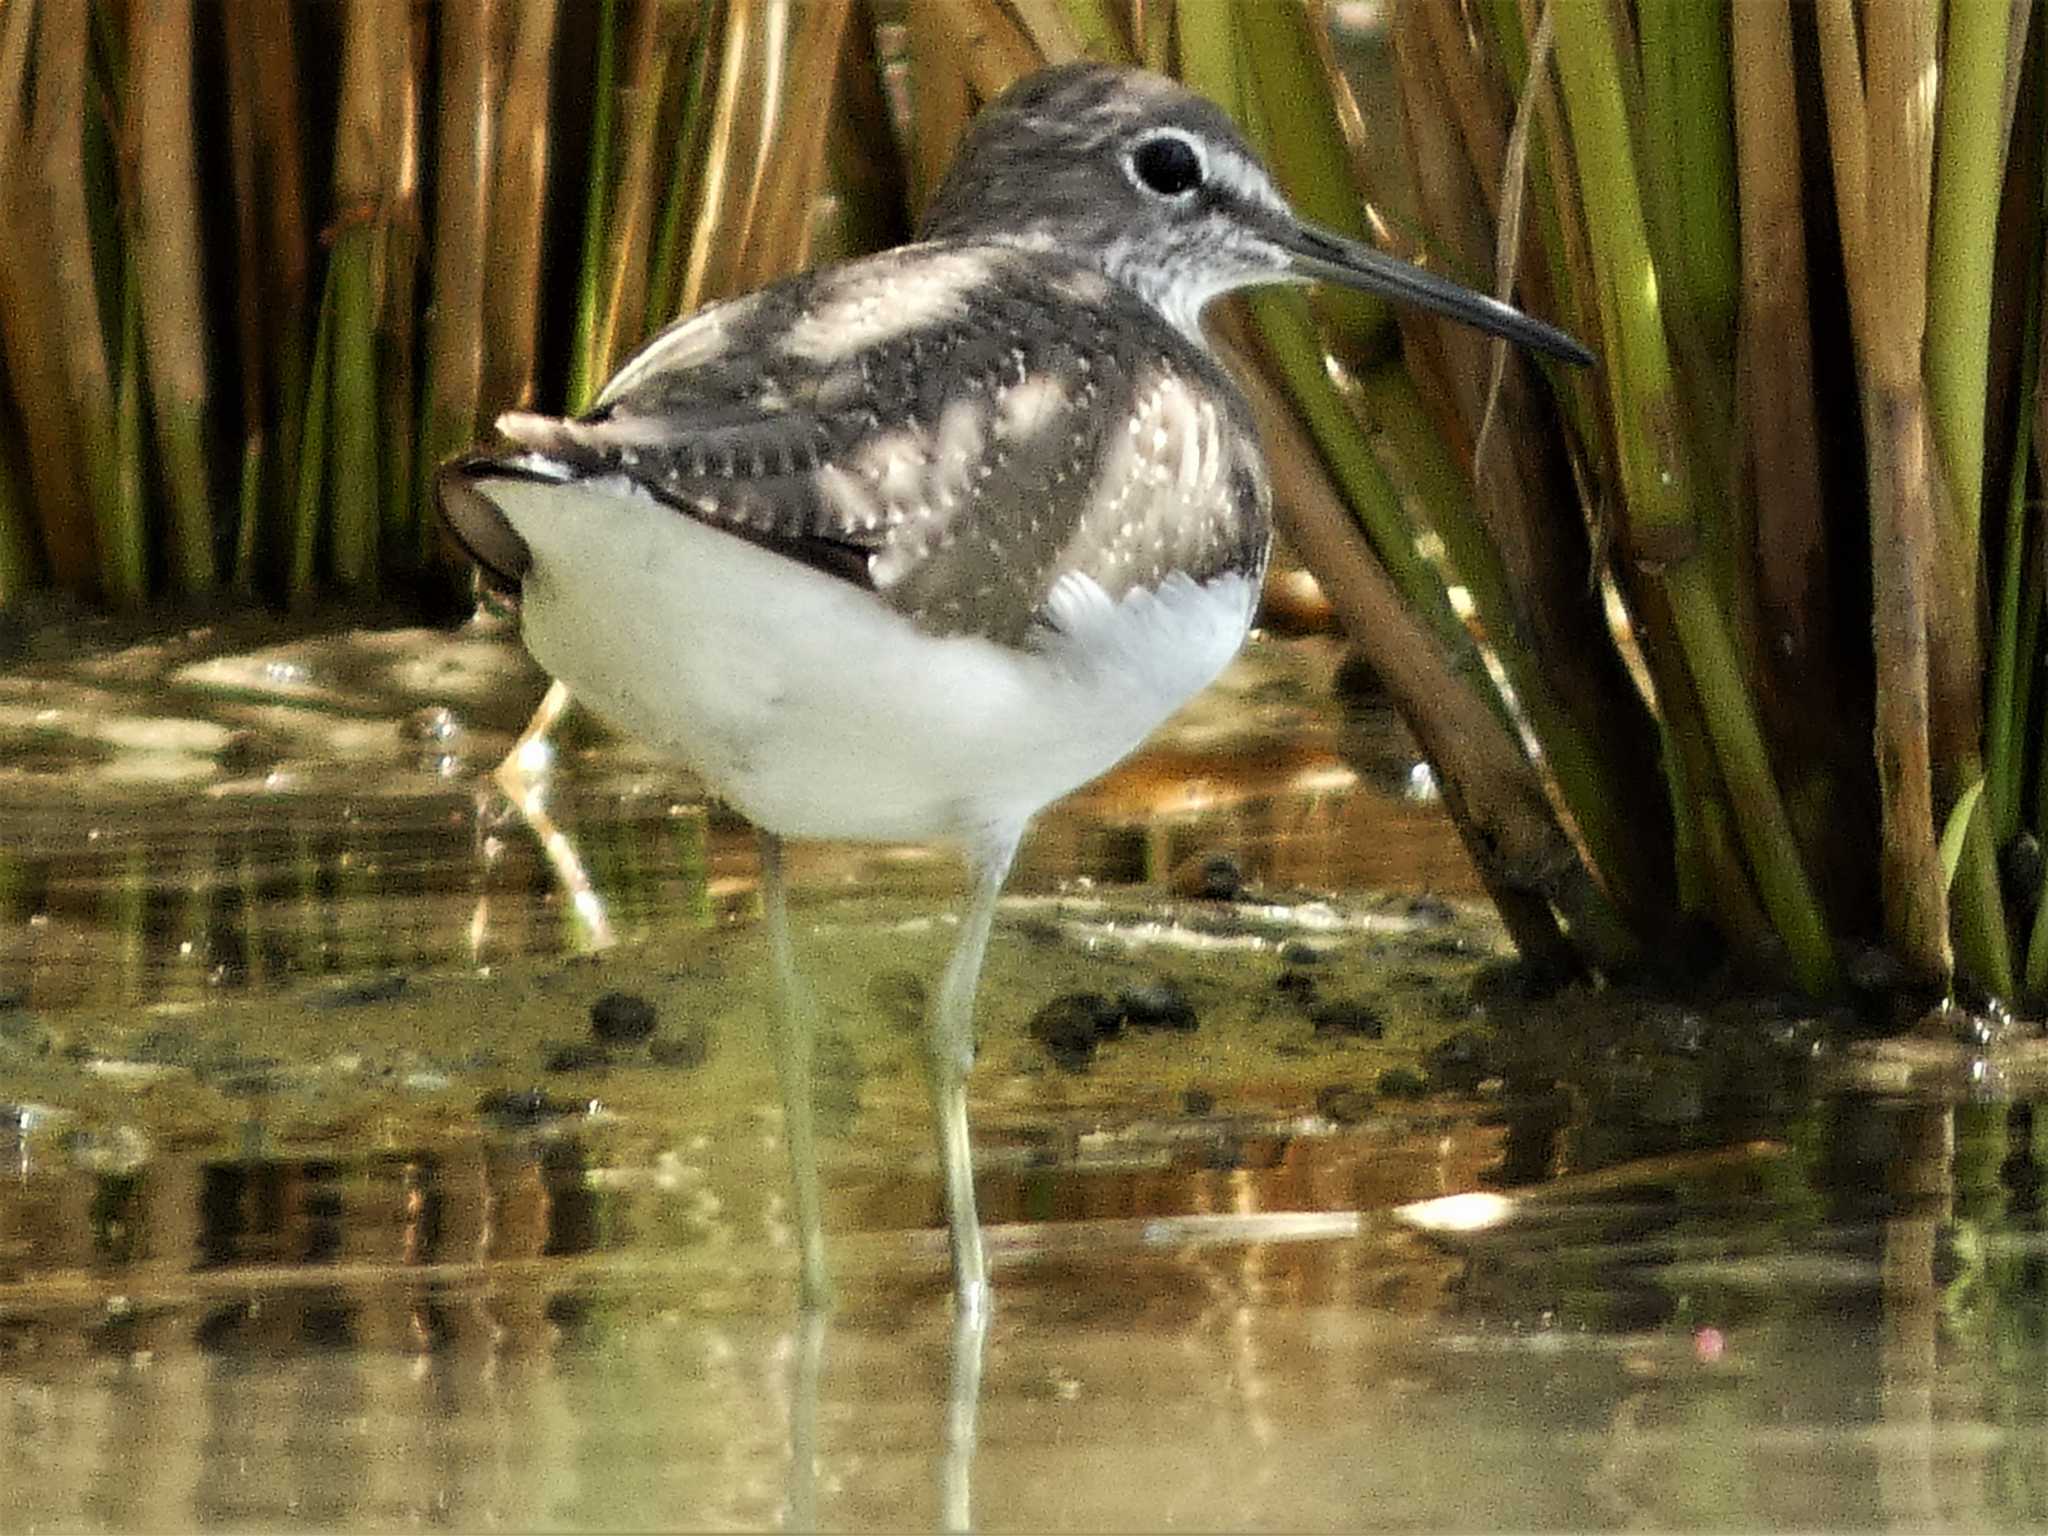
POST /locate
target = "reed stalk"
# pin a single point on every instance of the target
(525, 39)
(1152, 24)
(984, 41)
(1524, 565)
(1970, 150)
(585, 370)
(2009, 703)
(396, 280)
(719, 224)
(650, 44)
(25, 343)
(129, 426)
(310, 491)
(462, 213)
(54, 223)
(1964, 218)
(165, 243)
(941, 107)
(18, 566)
(362, 164)
(1778, 471)
(665, 260)
(867, 171)
(780, 240)
(1661, 484)
(1494, 793)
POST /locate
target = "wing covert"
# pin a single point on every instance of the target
(951, 427)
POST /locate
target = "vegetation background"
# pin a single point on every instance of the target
(1728, 653)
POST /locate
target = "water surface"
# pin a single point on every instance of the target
(321, 1207)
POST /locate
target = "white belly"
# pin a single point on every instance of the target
(818, 711)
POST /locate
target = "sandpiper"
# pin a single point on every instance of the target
(911, 546)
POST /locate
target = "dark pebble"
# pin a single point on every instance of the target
(1462, 1061)
(576, 1056)
(1070, 1027)
(1158, 1005)
(1345, 1103)
(1402, 1083)
(687, 1047)
(622, 1018)
(1198, 1101)
(517, 1108)
(1347, 1016)
(356, 994)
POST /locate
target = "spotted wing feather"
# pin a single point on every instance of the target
(948, 426)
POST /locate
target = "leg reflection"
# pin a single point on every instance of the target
(963, 1405)
(806, 1371)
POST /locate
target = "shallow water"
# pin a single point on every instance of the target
(321, 1208)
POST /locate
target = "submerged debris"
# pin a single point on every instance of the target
(521, 1109)
(1071, 1027)
(622, 1018)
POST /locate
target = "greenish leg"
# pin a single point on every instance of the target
(793, 1070)
(950, 1049)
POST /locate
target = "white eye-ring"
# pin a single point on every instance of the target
(1168, 163)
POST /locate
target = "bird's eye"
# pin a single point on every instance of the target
(1168, 164)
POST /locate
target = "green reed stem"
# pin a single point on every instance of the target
(166, 246)
(584, 369)
(665, 265)
(352, 441)
(312, 478)
(249, 515)
(1297, 350)
(1689, 154)
(18, 564)
(130, 452)
(1098, 30)
(1969, 153)
(2037, 952)
(1969, 149)
(1298, 133)
(2012, 668)
(1661, 484)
